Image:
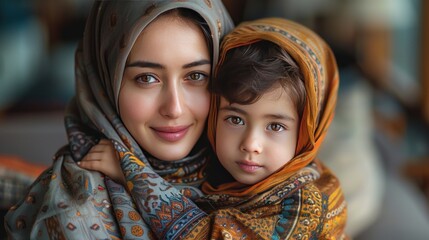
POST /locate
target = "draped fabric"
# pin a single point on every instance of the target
(68, 202)
(309, 204)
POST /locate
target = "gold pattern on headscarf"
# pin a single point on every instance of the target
(209, 3)
(219, 27)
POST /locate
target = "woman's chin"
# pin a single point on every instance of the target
(171, 154)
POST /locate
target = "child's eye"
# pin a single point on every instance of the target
(276, 127)
(146, 79)
(235, 120)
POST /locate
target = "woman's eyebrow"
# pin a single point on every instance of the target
(197, 63)
(145, 64)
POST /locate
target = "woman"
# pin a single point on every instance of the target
(69, 202)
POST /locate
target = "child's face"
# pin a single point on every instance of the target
(255, 140)
(164, 100)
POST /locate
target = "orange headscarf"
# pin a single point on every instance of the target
(321, 79)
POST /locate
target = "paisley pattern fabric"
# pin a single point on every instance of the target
(68, 202)
(308, 205)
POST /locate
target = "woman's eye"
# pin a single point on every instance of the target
(197, 76)
(276, 127)
(146, 79)
(235, 120)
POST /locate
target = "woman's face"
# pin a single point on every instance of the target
(164, 100)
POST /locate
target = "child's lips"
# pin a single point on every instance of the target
(248, 166)
(171, 133)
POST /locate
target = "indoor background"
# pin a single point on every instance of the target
(378, 144)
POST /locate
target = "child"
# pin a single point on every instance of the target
(275, 93)
(273, 100)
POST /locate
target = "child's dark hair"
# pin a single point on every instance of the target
(252, 70)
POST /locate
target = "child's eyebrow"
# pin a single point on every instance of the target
(280, 116)
(268, 116)
(234, 109)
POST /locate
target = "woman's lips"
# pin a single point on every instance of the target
(248, 166)
(171, 134)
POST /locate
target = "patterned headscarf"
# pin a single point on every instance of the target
(321, 79)
(68, 202)
(111, 30)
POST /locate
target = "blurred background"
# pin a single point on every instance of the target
(378, 144)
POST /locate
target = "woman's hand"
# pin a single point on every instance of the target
(104, 158)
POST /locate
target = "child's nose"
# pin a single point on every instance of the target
(251, 144)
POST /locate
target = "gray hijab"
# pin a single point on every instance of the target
(111, 30)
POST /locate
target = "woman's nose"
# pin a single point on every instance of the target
(172, 102)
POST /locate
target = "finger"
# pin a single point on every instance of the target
(104, 142)
(99, 148)
(93, 156)
(105, 146)
(90, 165)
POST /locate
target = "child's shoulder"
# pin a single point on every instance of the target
(319, 207)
